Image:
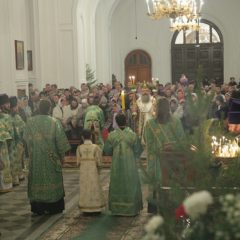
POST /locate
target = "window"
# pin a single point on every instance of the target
(133, 59)
(204, 33)
(190, 49)
(208, 33)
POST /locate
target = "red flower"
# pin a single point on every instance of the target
(180, 212)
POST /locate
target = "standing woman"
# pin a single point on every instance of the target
(47, 144)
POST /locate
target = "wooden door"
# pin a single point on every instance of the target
(138, 64)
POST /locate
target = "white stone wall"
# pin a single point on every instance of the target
(12, 27)
(155, 36)
(54, 42)
(65, 35)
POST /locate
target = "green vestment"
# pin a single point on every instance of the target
(156, 136)
(12, 147)
(94, 117)
(125, 196)
(19, 126)
(47, 144)
(5, 140)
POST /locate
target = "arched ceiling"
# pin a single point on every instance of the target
(83, 6)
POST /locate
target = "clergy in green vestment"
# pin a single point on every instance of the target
(5, 139)
(6, 144)
(5, 171)
(94, 121)
(161, 134)
(19, 126)
(125, 195)
(47, 144)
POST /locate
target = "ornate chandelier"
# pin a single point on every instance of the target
(184, 14)
(185, 23)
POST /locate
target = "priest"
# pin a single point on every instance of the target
(146, 109)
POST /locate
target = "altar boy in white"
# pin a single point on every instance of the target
(89, 158)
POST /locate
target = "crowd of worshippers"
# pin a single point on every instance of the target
(69, 107)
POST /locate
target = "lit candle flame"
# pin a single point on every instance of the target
(225, 147)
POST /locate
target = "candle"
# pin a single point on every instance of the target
(147, 1)
(133, 80)
(123, 100)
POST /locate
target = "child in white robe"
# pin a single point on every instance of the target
(89, 158)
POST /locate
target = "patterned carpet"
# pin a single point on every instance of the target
(16, 220)
(77, 226)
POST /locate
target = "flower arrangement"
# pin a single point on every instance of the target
(154, 229)
(206, 219)
(195, 205)
(215, 220)
(201, 215)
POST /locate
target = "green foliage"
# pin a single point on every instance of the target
(228, 177)
(220, 222)
(197, 169)
(90, 76)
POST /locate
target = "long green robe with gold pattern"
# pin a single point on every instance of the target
(5, 139)
(47, 144)
(125, 195)
(156, 136)
(12, 147)
(94, 117)
(19, 126)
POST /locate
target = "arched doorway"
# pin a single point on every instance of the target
(191, 49)
(138, 63)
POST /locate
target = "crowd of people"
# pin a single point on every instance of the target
(128, 118)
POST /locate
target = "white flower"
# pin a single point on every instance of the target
(197, 203)
(153, 224)
(229, 197)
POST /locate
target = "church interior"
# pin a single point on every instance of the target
(150, 88)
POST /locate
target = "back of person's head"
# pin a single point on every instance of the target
(54, 86)
(121, 120)
(220, 99)
(86, 134)
(44, 107)
(163, 110)
(42, 94)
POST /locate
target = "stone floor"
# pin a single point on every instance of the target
(17, 222)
